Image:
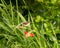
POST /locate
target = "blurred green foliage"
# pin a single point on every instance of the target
(44, 16)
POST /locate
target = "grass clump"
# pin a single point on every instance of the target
(13, 25)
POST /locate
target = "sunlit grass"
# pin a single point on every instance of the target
(12, 37)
